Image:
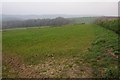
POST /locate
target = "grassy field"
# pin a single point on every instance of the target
(84, 50)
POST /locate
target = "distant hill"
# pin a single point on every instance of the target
(86, 20)
(25, 17)
(12, 21)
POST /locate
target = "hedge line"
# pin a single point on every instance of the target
(112, 24)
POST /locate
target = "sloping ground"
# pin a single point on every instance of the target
(68, 51)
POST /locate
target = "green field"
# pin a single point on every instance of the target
(85, 50)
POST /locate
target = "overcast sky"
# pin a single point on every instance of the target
(71, 8)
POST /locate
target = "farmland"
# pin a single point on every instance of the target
(79, 50)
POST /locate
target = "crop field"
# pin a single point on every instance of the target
(69, 51)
